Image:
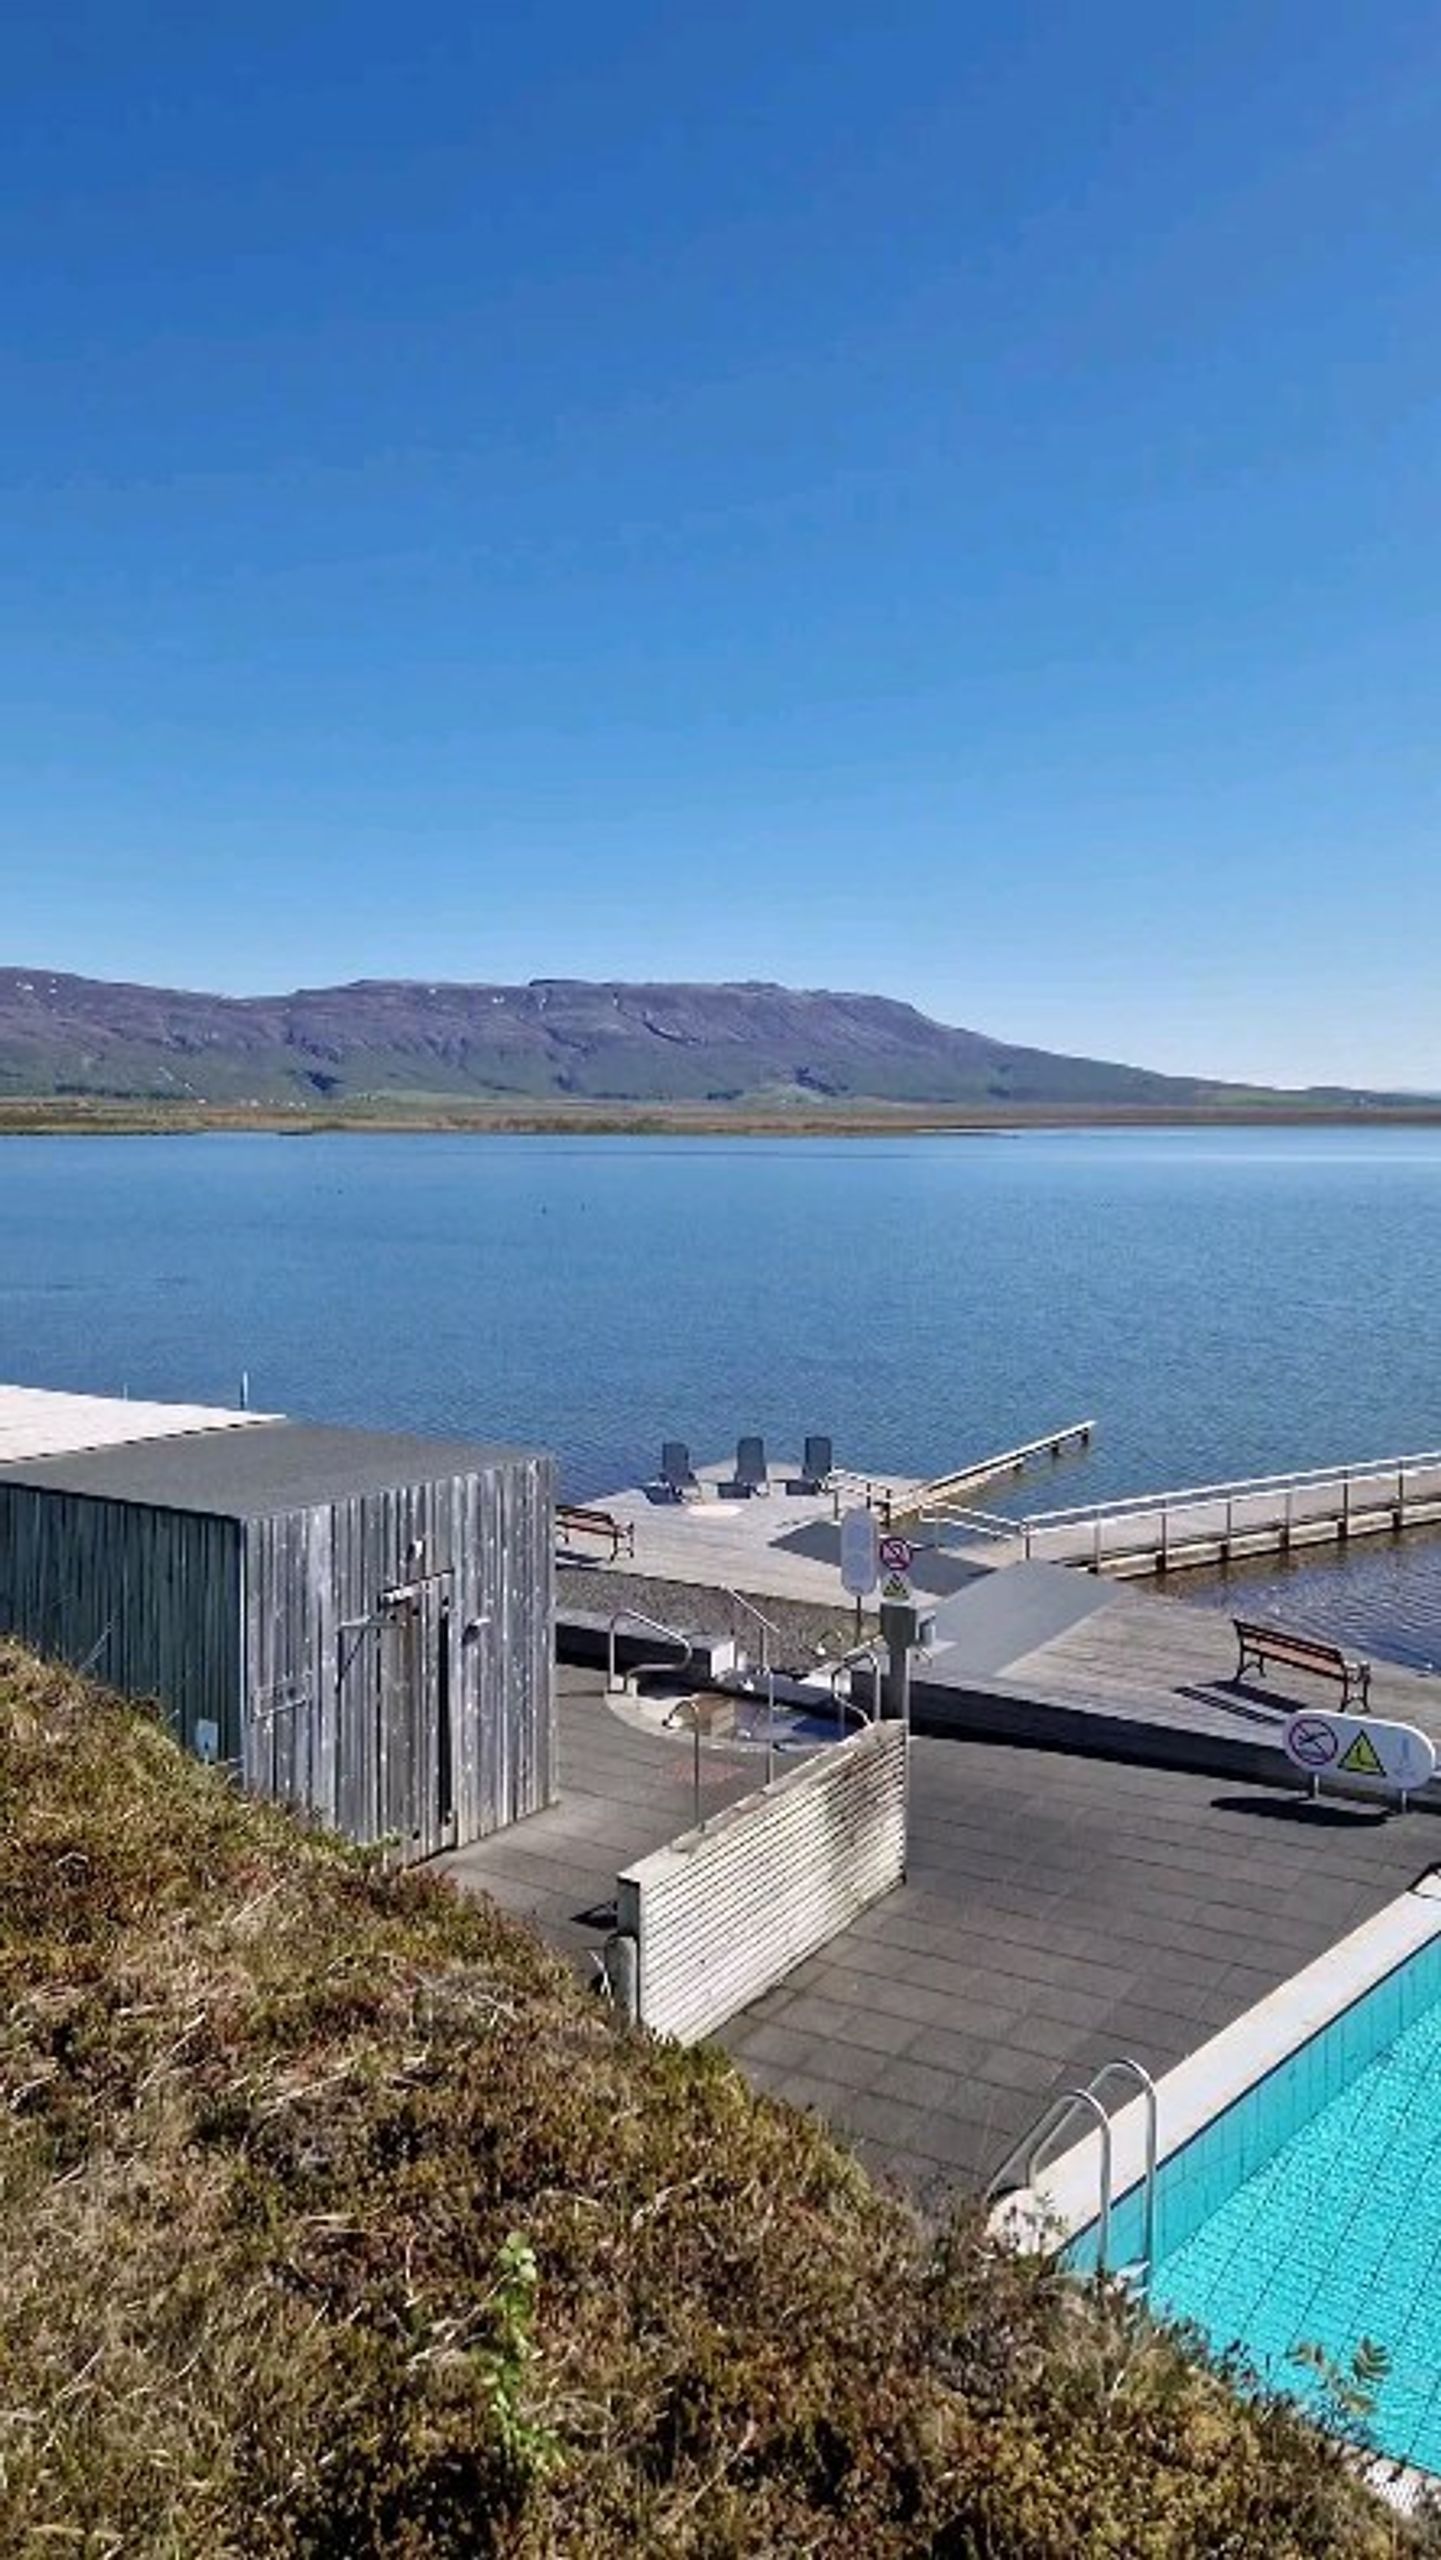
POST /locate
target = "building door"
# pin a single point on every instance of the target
(415, 1751)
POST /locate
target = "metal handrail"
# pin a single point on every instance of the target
(872, 1493)
(693, 1705)
(1006, 1462)
(1133, 2070)
(961, 1515)
(759, 1615)
(1057, 2114)
(870, 1653)
(768, 1629)
(1028, 2151)
(657, 1627)
(1296, 1479)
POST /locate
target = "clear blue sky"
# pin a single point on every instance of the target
(931, 498)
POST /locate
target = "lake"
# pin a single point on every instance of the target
(1223, 1302)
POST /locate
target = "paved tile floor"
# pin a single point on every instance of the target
(1057, 1911)
(624, 1791)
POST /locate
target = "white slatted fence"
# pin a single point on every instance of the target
(722, 1914)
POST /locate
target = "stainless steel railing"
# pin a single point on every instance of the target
(1028, 2153)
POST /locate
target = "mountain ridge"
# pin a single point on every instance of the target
(627, 1042)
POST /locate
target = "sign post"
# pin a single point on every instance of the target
(903, 1628)
(860, 1557)
(1367, 1751)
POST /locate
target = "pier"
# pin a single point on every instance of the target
(1042, 1631)
(1220, 1523)
(786, 1544)
(939, 1500)
(1042, 1655)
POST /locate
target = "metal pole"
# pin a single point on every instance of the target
(898, 1631)
(621, 1970)
(699, 1824)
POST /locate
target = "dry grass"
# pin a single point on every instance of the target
(270, 2120)
(115, 1115)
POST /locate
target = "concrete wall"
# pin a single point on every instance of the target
(724, 1913)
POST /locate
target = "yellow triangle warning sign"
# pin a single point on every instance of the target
(1361, 1759)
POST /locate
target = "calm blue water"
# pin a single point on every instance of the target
(1224, 1302)
(1336, 2239)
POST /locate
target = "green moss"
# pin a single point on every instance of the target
(336, 2219)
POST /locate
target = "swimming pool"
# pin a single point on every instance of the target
(1336, 2237)
(1299, 2193)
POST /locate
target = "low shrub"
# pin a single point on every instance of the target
(337, 2219)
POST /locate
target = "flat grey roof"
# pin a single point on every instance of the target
(273, 1466)
(46, 1422)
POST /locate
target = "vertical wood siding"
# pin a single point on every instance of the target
(147, 1600)
(427, 1721)
(430, 1721)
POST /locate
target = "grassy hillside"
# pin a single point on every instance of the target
(555, 1041)
(336, 2220)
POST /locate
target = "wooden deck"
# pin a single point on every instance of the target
(787, 1545)
(1139, 1678)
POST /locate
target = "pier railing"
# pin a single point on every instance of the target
(1195, 1524)
(942, 1493)
(939, 1499)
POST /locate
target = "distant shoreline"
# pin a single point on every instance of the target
(104, 1116)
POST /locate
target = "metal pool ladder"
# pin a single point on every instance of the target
(1021, 2166)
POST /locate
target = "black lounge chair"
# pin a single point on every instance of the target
(816, 1466)
(676, 1472)
(750, 1475)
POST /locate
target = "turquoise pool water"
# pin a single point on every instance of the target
(1283, 2223)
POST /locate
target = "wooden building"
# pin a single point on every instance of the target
(360, 1624)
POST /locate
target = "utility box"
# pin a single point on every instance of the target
(360, 1624)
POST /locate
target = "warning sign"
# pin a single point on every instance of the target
(896, 1589)
(1368, 1750)
(1312, 1742)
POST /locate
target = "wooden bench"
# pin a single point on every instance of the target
(1304, 1653)
(573, 1520)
